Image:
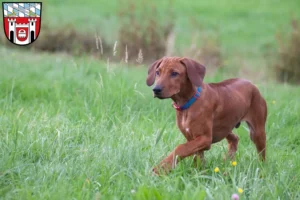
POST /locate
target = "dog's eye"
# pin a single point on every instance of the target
(157, 73)
(173, 74)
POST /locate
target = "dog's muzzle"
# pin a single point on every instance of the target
(157, 90)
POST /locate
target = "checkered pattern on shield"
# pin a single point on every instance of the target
(22, 9)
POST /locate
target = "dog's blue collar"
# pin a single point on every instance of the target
(189, 102)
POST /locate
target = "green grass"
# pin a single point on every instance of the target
(76, 128)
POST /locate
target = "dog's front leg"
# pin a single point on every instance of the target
(201, 143)
(199, 159)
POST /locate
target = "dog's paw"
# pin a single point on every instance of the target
(155, 171)
(159, 170)
(162, 169)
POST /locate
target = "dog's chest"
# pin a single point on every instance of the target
(184, 125)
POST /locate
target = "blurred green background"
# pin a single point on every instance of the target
(239, 35)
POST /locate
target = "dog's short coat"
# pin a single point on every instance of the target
(211, 118)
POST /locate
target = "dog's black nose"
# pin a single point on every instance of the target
(157, 89)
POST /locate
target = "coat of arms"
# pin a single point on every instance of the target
(22, 21)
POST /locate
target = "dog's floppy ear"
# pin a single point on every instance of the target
(195, 71)
(151, 72)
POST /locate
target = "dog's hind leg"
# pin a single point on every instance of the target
(256, 120)
(233, 141)
(258, 136)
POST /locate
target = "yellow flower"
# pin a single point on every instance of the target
(240, 190)
(234, 163)
(216, 169)
(273, 102)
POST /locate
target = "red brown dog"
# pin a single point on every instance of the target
(207, 113)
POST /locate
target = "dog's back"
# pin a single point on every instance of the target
(236, 99)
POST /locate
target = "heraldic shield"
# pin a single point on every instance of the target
(22, 21)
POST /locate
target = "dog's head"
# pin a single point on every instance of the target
(173, 74)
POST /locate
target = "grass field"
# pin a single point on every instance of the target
(242, 27)
(81, 128)
(245, 30)
(74, 128)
